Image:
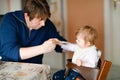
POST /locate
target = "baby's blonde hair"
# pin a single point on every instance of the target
(89, 34)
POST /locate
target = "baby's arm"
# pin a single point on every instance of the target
(67, 46)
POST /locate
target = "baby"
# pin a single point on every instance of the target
(85, 51)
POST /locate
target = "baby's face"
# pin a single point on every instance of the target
(81, 42)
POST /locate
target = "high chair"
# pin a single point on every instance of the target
(99, 73)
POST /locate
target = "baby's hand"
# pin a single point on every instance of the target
(78, 62)
(58, 42)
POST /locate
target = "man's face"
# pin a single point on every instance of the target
(36, 23)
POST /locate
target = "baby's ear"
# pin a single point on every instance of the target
(88, 43)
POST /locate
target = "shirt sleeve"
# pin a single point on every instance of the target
(8, 40)
(69, 46)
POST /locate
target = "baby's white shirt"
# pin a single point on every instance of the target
(89, 56)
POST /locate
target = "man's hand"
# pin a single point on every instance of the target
(49, 45)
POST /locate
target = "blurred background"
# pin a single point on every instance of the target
(69, 15)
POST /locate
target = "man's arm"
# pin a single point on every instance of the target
(29, 52)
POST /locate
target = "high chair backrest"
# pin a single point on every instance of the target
(90, 73)
(104, 70)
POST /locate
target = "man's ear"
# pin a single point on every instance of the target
(26, 16)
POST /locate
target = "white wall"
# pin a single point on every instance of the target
(112, 27)
(15, 5)
(116, 34)
(9, 5)
(108, 29)
(3, 6)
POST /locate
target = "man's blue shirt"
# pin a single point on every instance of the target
(15, 34)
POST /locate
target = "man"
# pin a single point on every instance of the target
(26, 34)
